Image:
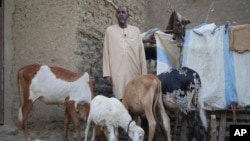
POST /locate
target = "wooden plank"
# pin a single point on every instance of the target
(213, 131)
(240, 116)
(223, 120)
(222, 129)
(238, 123)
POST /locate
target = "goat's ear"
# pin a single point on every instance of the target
(185, 21)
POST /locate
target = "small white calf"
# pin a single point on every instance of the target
(53, 85)
(111, 114)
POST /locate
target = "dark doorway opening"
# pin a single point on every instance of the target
(1, 61)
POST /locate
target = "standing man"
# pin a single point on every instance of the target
(123, 53)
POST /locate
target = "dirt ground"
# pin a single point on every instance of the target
(50, 127)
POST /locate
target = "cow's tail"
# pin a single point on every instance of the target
(155, 102)
(202, 112)
(20, 113)
(203, 117)
(200, 104)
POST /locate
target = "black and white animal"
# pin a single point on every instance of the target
(180, 89)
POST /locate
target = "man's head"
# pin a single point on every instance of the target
(122, 14)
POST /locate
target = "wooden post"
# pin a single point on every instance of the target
(222, 126)
(234, 112)
(213, 130)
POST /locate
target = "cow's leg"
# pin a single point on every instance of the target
(26, 108)
(194, 126)
(70, 105)
(66, 124)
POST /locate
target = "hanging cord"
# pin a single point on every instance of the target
(210, 8)
(112, 3)
(170, 6)
(127, 136)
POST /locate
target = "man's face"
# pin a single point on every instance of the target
(122, 15)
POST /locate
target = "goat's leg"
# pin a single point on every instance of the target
(93, 135)
(87, 130)
(111, 130)
(70, 105)
(151, 122)
(66, 124)
(23, 117)
(99, 132)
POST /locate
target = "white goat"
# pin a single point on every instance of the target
(110, 113)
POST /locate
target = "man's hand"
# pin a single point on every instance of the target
(109, 80)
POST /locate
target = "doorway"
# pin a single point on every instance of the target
(1, 61)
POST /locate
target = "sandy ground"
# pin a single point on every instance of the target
(50, 130)
(45, 131)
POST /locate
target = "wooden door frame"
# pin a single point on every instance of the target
(1, 61)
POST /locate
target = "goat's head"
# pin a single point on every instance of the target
(135, 132)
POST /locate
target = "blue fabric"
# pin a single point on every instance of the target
(186, 42)
(230, 82)
(162, 55)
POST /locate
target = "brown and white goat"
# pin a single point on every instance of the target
(53, 85)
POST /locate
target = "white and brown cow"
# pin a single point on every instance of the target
(53, 85)
(143, 97)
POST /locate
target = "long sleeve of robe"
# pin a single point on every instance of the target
(123, 56)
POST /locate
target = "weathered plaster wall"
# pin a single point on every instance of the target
(95, 17)
(9, 126)
(65, 33)
(198, 11)
(45, 32)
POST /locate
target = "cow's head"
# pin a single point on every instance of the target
(177, 23)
